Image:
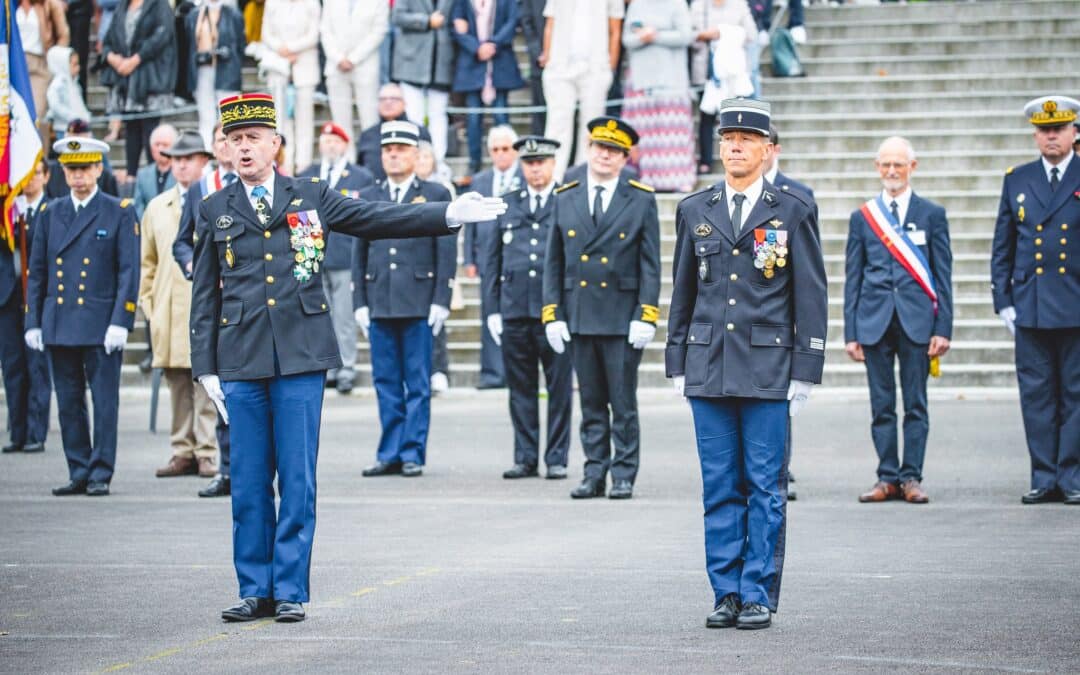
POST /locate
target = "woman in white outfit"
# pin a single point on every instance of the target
(291, 29)
(352, 31)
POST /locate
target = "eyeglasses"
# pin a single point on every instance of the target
(501, 148)
(390, 98)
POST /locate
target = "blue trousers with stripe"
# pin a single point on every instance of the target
(742, 446)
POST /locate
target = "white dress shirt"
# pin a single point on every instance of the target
(903, 200)
(605, 196)
(1062, 166)
(79, 205)
(331, 173)
(544, 194)
(502, 181)
(753, 194)
(404, 187)
(269, 185)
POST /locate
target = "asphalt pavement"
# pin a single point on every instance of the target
(461, 572)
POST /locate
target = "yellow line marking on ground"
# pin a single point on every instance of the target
(395, 582)
(118, 666)
(161, 655)
(257, 625)
(364, 591)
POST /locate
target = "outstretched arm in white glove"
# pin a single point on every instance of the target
(437, 317)
(34, 340)
(641, 334)
(212, 385)
(1008, 315)
(115, 338)
(798, 393)
(558, 335)
(472, 207)
(495, 327)
(363, 319)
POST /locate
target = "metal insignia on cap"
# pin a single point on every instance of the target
(740, 118)
(224, 222)
(703, 230)
(73, 145)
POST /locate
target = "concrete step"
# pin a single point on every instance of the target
(796, 163)
(865, 181)
(815, 101)
(930, 64)
(1010, 77)
(942, 11)
(897, 47)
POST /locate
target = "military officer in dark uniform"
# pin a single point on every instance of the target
(80, 305)
(513, 289)
(402, 291)
(262, 341)
(1036, 287)
(746, 340)
(601, 286)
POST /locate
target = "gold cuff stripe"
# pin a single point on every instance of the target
(650, 313)
(547, 314)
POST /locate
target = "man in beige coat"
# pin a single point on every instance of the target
(165, 298)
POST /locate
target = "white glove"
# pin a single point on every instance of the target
(798, 393)
(763, 38)
(212, 385)
(115, 338)
(437, 317)
(641, 334)
(34, 340)
(1008, 315)
(679, 381)
(472, 207)
(494, 326)
(558, 334)
(363, 319)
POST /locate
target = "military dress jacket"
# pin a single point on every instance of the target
(876, 286)
(1033, 266)
(352, 181)
(600, 278)
(258, 308)
(515, 285)
(747, 315)
(84, 270)
(398, 278)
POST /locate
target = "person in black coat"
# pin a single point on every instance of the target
(533, 22)
(369, 145)
(215, 58)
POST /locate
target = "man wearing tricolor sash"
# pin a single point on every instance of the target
(898, 307)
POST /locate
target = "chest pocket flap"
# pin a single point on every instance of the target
(232, 311)
(230, 233)
(312, 300)
(706, 247)
(770, 335)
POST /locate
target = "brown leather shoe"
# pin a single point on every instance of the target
(913, 492)
(178, 466)
(207, 467)
(881, 492)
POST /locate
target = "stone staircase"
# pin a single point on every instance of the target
(950, 76)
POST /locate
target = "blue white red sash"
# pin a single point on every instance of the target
(901, 247)
(211, 182)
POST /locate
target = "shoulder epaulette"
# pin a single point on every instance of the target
(800, 196)
(43, 205)
(707, 188)
(125, 202)
(205, 197)
(641, 186)
(564, 188)
(1009, 170)
(314, 179)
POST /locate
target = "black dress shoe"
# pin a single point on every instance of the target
(621, 489)
(411, 470)
(344, 386)
(220, 486)
(289, 612)
(382, 469)
(589, 488)
(754, 616)
(521, 471)
(791, 494)
(726, 612)
(1072, 498)
(249, 609)
(1042, 496)
(34, 447)
(12, 447)
(75, 487)
(97, 489)
(556, 473)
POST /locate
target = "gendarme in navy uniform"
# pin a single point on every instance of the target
(601, 286)
(513, 291)
(746, 333)
(262, 341)
(1036, 286)
(80, 306)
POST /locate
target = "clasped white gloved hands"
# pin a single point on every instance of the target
(472, 207)
(363, 319)
(1008, 315)
(33, 339)
(641, 334)
(115, 338)
(212, 385)
(798, 393)
(437, 317)
(558, 335)
(495, 327)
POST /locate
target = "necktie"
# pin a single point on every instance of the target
(78, 209)
(736, 215)
(497, 192)
(1054, 179)
(397, 195)
(229, 178)
(895, 208)
(536, 209)
(598, 205)
(262, 207)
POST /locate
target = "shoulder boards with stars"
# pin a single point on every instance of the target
(641, 186)
(1010, 170)
(564, 188)
(125, 202)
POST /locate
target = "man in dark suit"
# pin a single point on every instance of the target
(532, 23)
(1034, 280)
(898, 307)
(350, 180)
(155, 178)
(513, 290)
(369, 145)
(262, 341)
(58, 187)
(602, 286)
(184, 254)
(402, 299)
(80, 305)
(746, 343)
(504, 176)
